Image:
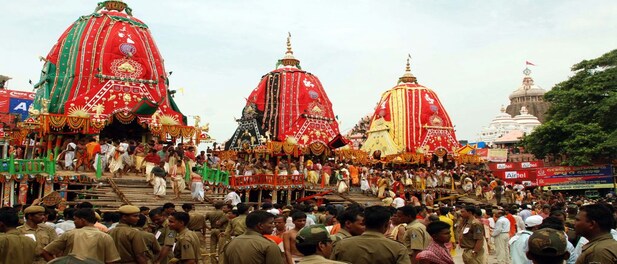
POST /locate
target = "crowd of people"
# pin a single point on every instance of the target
(121, 157)
(510, 222)
(557, 231)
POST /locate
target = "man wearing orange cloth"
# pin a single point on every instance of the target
(354, 174)
(93, 148)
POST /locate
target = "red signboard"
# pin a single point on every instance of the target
(513, 176)
(569, 171)
(16, 94)
(495, 166)
(14, 106)
(574, 180)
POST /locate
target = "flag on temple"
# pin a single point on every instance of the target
(529, 63)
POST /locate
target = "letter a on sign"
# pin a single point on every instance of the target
(22, 106)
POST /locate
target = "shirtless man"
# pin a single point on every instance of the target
(292, 255)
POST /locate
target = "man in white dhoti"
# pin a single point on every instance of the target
(69, 155)
(197, 186)
(115, 160)
(160, 184)
(232, 198)
(104, 150)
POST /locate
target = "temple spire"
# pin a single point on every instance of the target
(115, 5)
(408, 76)
(289, 59)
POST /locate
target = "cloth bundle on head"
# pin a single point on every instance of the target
(534, 220)
(548, 242)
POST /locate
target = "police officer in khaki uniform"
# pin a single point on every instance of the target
(129, 241)
(549, 246)
(315, 243)
(151, 243)
(197, 222)
(471, 239)
(594, 222)
(237, 226)
(37, 230)
(165, 236)
(187, 246)
(352, 223)
(14, 247)
(252, 247)
(372, 246)
(218, 223)
(85, 241)
(415, 238)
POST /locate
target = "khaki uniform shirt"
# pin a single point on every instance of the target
(214, 217)
(470, 233)
(151, 244)
(251, 248)
(416, 237)
(165, 237)
(129, 242)
(43, 235)
(237, 226)
(318, 259)
(370, 247)
(342, 234)
(187, 246)
(85, 242)
(602, 249)
(197, 221)
(16, 248)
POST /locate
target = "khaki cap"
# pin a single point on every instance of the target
(128, 209)
(33, 209)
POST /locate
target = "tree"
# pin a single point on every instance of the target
(581, 126)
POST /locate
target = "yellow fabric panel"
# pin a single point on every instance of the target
(398, 107)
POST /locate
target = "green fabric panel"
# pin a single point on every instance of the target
(130, 21)
(145, 107)
(174, 106)
(66, 63)
(44, 85)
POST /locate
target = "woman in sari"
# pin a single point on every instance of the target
(177, 177)
(436, 252)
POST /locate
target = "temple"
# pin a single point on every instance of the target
(289, 106)
(528, 95)
(105, 75)
(409, 118)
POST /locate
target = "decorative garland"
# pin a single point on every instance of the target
(125, 118)
(75, 123)
(317, 148)
(98, 125)
(288, 148)
(173, 131)
(57, 122)
(187, 132)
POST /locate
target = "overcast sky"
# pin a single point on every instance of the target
(471, 53)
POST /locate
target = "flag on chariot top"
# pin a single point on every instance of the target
(529, 63)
